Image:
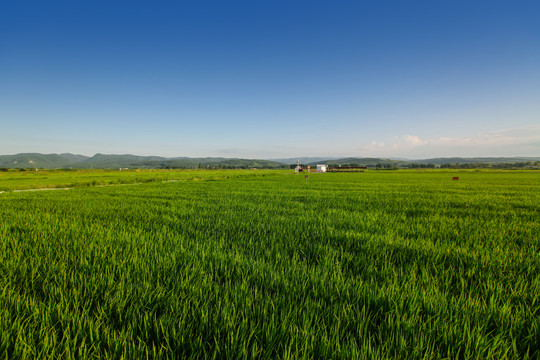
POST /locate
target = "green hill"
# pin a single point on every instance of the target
(36, 160)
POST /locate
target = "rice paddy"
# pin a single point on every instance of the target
(271, 265)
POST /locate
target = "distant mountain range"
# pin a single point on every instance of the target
(104, 161)
(305, 160)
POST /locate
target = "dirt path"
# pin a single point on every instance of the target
(81, 187)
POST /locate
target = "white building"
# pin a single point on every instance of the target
(322, 168)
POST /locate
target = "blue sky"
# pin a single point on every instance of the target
(268, 78)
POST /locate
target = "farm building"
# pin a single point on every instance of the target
(322, 168)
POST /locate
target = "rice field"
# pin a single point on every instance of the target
(270, 265)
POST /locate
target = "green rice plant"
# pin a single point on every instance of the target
(263, 264)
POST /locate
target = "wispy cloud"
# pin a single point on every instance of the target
(517, 136)
(523, 141)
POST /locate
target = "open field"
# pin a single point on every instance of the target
(262, 264)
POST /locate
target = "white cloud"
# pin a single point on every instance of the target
(413, 140)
